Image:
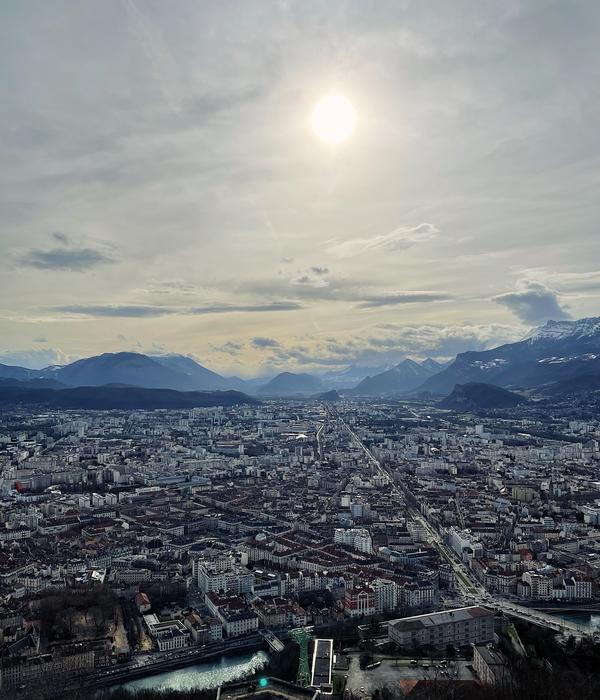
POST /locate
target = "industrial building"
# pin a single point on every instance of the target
(469, 625)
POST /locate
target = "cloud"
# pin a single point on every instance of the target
(34, 359)
(307, 280)
(564, 282)
(218, 101)
(260, 342)
(247, 308)
(309, 286)
(395, 298)
(398, 239)
(306, 285)
(229, 348)
(440, 340)
(447, 138)
(533, 302)
(116, 311)
(72, 260)
(145, 311)
(314, 276)
(66, 256)
(388, 344)
(60, 237)
(169, 287)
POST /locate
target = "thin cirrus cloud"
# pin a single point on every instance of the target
(397, 298)
(565, 281)
(533, 302)
(141, 311)
(398, 239)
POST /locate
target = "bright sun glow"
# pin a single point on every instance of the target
(333, 119)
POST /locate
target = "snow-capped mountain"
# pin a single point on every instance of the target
(557, 351)
(560, 330)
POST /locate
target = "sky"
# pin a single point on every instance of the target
(161, 188)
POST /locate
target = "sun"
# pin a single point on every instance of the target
(333, 119)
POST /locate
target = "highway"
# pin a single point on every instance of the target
(472, 591)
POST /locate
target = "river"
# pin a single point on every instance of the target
(587, 620)
(201, 676)
(229, 668)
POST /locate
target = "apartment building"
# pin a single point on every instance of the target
(469, 625)
(359, 601)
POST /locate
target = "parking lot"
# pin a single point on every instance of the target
(391, 671)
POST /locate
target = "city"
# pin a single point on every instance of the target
(137, 542)
(299, 350)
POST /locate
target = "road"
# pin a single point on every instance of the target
(320, 431)
(472, 591)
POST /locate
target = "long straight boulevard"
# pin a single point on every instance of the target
(472, 591)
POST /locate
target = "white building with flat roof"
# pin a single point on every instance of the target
(470, 625)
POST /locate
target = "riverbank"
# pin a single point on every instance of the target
(586, 620)
(201, 676)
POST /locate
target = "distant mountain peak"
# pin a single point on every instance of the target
(408, 362)
(432, 365)
(558, 330)
(557, 351)
(291, 383)
(404, 377)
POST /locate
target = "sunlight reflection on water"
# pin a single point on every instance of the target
(202, 676)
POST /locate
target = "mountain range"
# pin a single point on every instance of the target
(406, 376)
(558, 351)
(176, 372)
(112, 396)
(558, 354)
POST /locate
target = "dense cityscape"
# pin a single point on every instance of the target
(135, 542)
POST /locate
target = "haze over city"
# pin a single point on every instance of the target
(299, 350)
(295, 185)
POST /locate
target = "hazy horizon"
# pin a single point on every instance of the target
(163, 188)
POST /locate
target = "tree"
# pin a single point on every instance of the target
(99, 619)
(365, 659)
(66, 620)
(570, 644)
